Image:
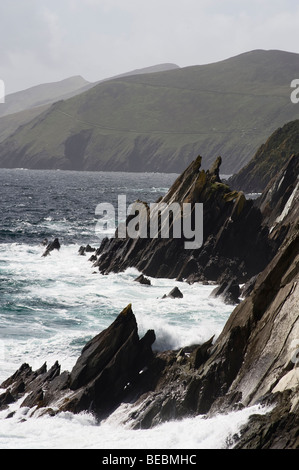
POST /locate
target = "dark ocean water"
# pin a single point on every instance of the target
(39, 204)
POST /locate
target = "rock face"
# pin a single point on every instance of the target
(239, 238)
(101, 378)
(143, 280)
(229, 291)
(268, 160)
(175, 293)
(235, 240)
(55, 245)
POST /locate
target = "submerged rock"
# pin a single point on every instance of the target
(229, 291)
(86, 249)
(175, 293)
(55, 245)
(107, 368)
(143, 280)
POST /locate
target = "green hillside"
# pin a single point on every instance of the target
(11, 122)
(268, 160)
(161, 121)
(23, 106)
(41, 94)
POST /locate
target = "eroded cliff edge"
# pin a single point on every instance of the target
(254, 360)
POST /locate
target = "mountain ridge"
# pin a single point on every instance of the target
(42, 94)
(160, 121)
(23, 106)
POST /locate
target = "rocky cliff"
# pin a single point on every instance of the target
(238, 237)
(254, 360)
(268, 160)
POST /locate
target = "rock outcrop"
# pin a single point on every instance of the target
(240, 236)
(229, 291)
(235, 241)
(253, 361)
(175, 293)
(143, 280)
(54, 245)
(100, 380)
(268, 160)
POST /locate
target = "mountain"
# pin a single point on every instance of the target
(11, 122)
(41, 94)
(160, 121)
(21, 107)
(142, 71)
(268, 160)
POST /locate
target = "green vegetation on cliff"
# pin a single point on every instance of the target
(269, 159)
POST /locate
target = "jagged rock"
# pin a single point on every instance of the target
(201, 354)
(278, 429)
(6, 399)
(89, 249)
(175, 293)
(81, 251)
(143, 280)
(233, 237)
(248, 287)
(109, 366)
(86, 249)
(229, 291)
(108, 363)
(55, 245)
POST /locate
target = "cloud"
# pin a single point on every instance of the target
(54, 39)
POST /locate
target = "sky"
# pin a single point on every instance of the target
(44, 41)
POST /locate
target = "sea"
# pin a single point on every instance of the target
(51, 306)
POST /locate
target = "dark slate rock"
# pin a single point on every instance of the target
(175, 293)
(143, 280)
(55, 245)
(229, 291)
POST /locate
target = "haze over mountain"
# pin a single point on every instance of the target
(160, 121)
(41, 95)
(23, 106)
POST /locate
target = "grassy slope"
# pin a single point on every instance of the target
(21, 107)
(41, 94)
(161, 121)
(269, 159)
(11, 122)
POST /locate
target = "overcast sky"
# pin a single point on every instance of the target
(48, 40)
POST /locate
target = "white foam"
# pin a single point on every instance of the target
(58, 305)
(62, 304)
(68, 431)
